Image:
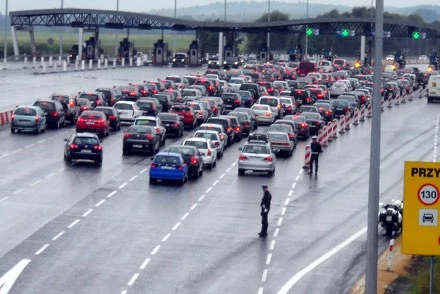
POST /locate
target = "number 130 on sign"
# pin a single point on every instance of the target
(428, 194)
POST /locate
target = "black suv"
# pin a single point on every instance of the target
(95, 98)
(69, 106)
(231, 100)
(180, 59)
(111, 95)
(55, 115)
(227, 125)
(83, 146)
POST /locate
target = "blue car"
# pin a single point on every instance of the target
(168, 166)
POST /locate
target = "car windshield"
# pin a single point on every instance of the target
(166, 159)
(145, 122)
(206, 136)
(255, 149)
(123, 106)
(277, 137)
(269, 101)
(25, 111)
(260, 107)
(236, 81)
(229, 95)
(348, 98)
(298, 118)
(62, 99)
(91, 97)
(144, 104)
(92, 115)
(183, 150)
(286, 101)
(310, 115)
(198, 144)
(46, 106)
(140, 129)
(85, 141)
(279, 128)
(161, 98)
(338, 62)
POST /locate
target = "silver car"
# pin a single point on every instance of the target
(206, 148)
(256, 156)
(215, 138)
(263, 113)
(28, 118)
(281, 143)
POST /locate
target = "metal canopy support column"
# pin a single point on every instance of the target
(220, 48)
(32, 39)
(14, 42)
(80, 44)
(97, 44)
(362, 55)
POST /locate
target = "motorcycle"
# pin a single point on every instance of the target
(390, 217)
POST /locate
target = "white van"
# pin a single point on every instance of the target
(434, 88)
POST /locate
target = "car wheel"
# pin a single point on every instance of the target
(98, 162)
(125, 151)
(12, 131)
(157, 149)
(214, 164)
(201, 171)
(64, 123)
(152, 181)
(270, 173)
(102, 135)
(68, 159)
(241, 172)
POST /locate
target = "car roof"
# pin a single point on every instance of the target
(147, 118)
(126, 102)
(207, 131)
(197, 139)
(164, 153)
(85, 134)
(28, 106)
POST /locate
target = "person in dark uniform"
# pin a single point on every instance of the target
(265, 207)
(316, 149)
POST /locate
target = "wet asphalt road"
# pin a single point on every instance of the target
(106, 230)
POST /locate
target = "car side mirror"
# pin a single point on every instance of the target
(65, 139)
(200, 154)
(152, 158)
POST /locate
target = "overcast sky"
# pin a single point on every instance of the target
(145, 5)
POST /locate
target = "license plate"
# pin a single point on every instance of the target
(434, 84)
(168, 125)
(339, 109)
(181, 116)
(86, 151)
(389, 218)
(137, 146)
(167, 167)
(90, 123)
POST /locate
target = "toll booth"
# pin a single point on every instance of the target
(90, 49)
(160, 51)
(126, 49)
(263, 54)
(194, 54)
(293, 55)
(228, 52)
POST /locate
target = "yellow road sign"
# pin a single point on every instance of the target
(421, 227)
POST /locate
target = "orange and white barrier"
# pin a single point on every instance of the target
(307, 155)
(356, 117)
(342, 124)
(397, 99)
(329, 131)
(6, 117)
(370, 110)
(362, 115)
(335, 128)
(403, 97)
(390, 104)
(347, 122)
(390, 254)
(324, 138)
(382, 102)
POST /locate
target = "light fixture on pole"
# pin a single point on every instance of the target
(268, 30)
(61, 33)
(307, 37)
(116, 34)
(174, 37)
(5, 57)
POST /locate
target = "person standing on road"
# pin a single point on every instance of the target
(265, 207)
(316, 150)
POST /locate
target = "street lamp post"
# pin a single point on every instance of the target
(5, 57)
(307, 37)
(61, 33)
(174, 38)
(268, 30)
(116, 35)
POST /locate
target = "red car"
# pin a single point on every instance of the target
(93, 122)
(186, 114)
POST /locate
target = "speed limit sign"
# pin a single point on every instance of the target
(428, 194)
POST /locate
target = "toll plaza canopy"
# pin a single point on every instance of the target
(89, 18)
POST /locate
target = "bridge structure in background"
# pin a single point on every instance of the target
(89, 19)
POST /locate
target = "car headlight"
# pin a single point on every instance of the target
(209, 62)
(224, 62)
(236, 62)
(174, 59)
(183, 60)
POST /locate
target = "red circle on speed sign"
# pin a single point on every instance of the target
(428, 194)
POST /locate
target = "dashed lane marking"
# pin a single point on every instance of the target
(35, 183)
(297, 178)
(264, 277)
(73, 224)
(260, 290)
(215, 183)
(233, 164)
(166, 237)
(176, 226)
(193, 207)
(287, 201)
(132, 178)
(280, 221)
(4, 198)
(290, 193)
(122, 186)
(276, 232)
(87, 212)
(111, 194)
(42, 249)
(4, 155)
(221, 176)
(201, 197)
(283, 211)
(209, 190)
(145, 263)
(133, 279)
(185, 216)
(16, 151)
(61, 170)
(124, 292)
(228, 169)
(269, 258)
(19, 191)
(100, 203)
(49, 175)
(142, 171)
(41, 141)
(272, 245)
(293, 185)
(29, 146)
(155, 250)
(58, 235)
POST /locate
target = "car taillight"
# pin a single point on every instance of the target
(180, 167)
(318, 124)
(347, 109)
(98, 147)
(242, 157)
(74, 146)
(290, 136)
(269, 158)
(236, 101)
(143, 92)
(270, 90)
(154, 91)
(153, 165)
(37, 118)
(98, 102)
(81, 120)
(53, 113)
(149, 137)
(246, 124)
(127, 135)
(303, 125)
(279, 106)
(157, 131)
(214, 109)
(222, 137)
(132, 94)
(229, 130)
(101, 121)
(328, 112)
(84, 108)
(237, 129)
(112, 117)
(319, 95)
(307, 100)
(194, 160)
(209, 152)
(176, 125)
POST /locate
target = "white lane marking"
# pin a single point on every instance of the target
(155, 250)
(233, 164)
(73, 224)
(272, 245)
(269, 258)
(264, 277)
(260, 290)
(221, 176)
(4, 155)
(289, 285)
(297, 178)
(201, 197)
(41, 141)
(176, 226)
(301, 171)
(87, 212)
(35, 183)
(132, 178)
(122, 186)
(58, 235)
(215, 183)
(49, 175)
(142, 171)
(99, 203)
(283, 211)
(124, 292)
(209, 190)
(4, 198)
(42, 249)
(61, 169)
(8, 279)
(185, 216)
(280, 221)
(16, 151)
(29, 146)
(111, 194)
(19, 191)
(228, 169)
(293, 185)
(133, 279)
(290, 193)
(194, 206)
(145, 263)
(166, 237)
(287, 201)
(275, 234)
